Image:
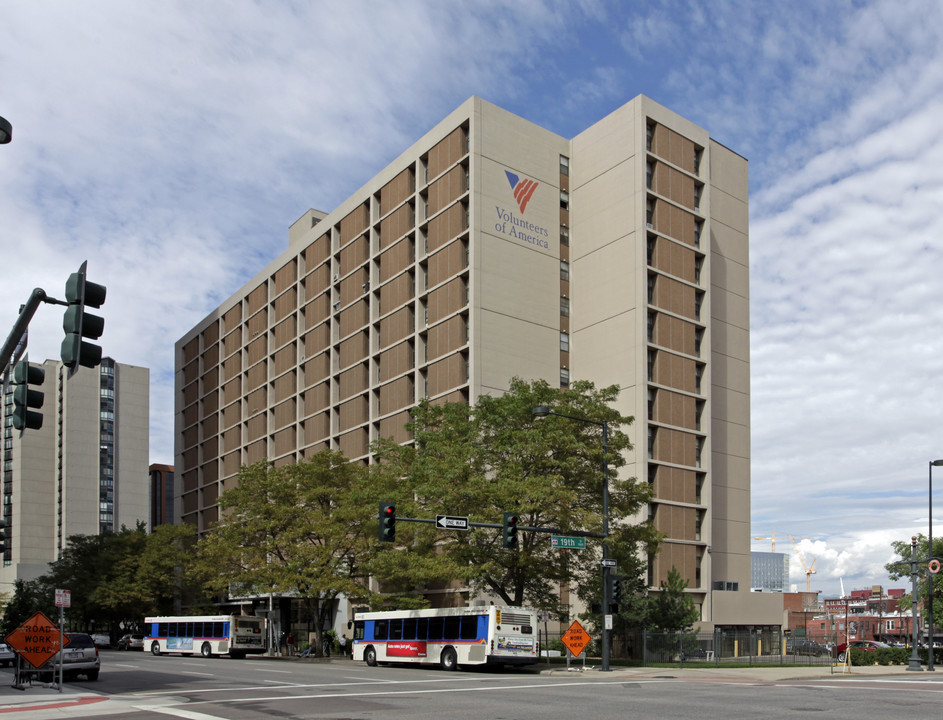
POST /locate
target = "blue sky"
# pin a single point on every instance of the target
(172, 143)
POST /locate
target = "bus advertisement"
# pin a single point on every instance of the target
(448, 637)
(233, 635)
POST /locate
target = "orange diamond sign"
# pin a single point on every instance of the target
(36, 640)
(576, 638)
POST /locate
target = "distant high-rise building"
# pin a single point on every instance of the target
(84, 472)
(769, 572)
(162, 495)
(494, 248)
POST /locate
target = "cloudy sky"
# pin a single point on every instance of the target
(171, 144)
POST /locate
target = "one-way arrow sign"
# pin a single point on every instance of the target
(451, 522)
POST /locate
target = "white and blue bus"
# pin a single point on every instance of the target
(233, 635)
(448, 637)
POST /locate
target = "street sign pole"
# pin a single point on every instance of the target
(61, 654)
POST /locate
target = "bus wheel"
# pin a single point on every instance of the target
(206, 650)
(370, 656)
(448, 660)
(155, 648)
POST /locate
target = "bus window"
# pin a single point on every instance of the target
(380, 630)
(435, 628)
(469, 627)
(452, 625)
(162, 629)
(396, 629)
(409, 629)
(422, 628)
(358, 630)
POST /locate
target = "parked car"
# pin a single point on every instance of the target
(6, 655)
(866, 645)
(801, 646)
(79, 657)
(131, 641)
(101, 640)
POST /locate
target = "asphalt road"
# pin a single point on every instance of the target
(143, 687)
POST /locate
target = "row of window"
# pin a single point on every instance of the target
(455, 627)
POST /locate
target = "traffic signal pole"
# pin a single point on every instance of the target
(21, 325)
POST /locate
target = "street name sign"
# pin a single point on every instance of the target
(607, 563)
(565, 541)
(36, 640)
(451, 522)
(576, 638)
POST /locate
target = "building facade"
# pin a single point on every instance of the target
(494, 248)
(162, 495)
(84, 472)
(769, 572)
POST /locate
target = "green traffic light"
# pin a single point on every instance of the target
(26, 401)
(78, 323)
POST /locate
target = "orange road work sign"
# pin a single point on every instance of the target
(36, 640)
(576, 638)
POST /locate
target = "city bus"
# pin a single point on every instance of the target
(233, 635)
(447, 637)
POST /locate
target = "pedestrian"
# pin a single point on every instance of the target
(327, 646)
(290, 642)
(343, 645)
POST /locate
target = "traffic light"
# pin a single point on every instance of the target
(3, 537)
(79, 324)
(616, 589)
(387, 522)
(26, 401)
(509, 532)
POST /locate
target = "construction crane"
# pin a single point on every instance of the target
(772, 540)
(809, 569)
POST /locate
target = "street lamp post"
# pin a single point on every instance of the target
(933, 463)
(914, 570)
(543, 411)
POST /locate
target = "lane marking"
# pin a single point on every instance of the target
(178, 712)
(198, 691)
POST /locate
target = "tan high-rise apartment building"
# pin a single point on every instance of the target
(494, 248)
(84, 472)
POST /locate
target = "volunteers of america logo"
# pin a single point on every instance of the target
(512, 225)
(523, 189)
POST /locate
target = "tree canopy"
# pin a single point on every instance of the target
(306, 530)
(494, 457)
(900, 569)
(116, 579)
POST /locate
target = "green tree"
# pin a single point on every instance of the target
(305, 530)
(674, 609)
(115, 579)
(29, 597)
(494, 457)
(900, 570)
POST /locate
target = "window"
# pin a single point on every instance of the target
(564, 235)
(564, 306)
(564, 377)
(564, 342)
(564, 270)
(564, 165)
(649, 173)
(564, 200)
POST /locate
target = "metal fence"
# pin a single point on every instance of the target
(755, 647)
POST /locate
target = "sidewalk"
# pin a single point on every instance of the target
(774, 673)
